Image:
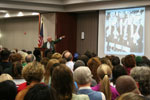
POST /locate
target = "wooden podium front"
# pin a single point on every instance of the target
(42, 51)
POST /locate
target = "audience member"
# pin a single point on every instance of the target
(33, 74)
(48, 72)
(93, 64)
(131, 96)
(107, 61)
(83, 77)
(38, 92)
(68, 56)
(126, 84)
(62, 83)
(44, 61)
(142, 77)
(104, 72)
(84, 58)
(8, 90)
(129, 62)
(56, 55)
(4, 77)
(115, 61)
(29, 58)
(37, 54)
(117, 71)
(78, 63)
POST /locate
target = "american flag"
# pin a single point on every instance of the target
(40, 40)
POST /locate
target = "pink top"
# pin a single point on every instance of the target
(114, 92)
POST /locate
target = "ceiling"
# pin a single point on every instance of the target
(13, 7)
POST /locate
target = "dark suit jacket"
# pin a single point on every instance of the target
(52, 45)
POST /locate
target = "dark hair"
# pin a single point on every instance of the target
(38, 92)
(8, 90)
(5, 54)
(115, 61)
(62, 82)
(84, 58)
(88, 54)
(78, 63)
(37, 54)
(117, 71)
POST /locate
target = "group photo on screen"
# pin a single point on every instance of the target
(124, 31)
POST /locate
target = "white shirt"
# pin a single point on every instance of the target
(70, 64)
(48, 45)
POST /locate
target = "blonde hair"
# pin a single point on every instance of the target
(4, 77)
(104, 72)
(33, 71)
(56, 56)
(50, 63)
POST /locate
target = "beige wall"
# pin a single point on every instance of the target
(87, 23)
(13, 36)
(49, 21)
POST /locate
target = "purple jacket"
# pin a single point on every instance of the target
(114, 92)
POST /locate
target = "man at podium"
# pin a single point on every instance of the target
(50, 44)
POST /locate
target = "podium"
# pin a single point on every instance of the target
(42, 51)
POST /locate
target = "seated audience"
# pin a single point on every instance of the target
(78, 63)
(38, 92)
(83, 76)
(29, 58)
(117, 71)
(62, 83)
(68, 56)
(126, 84)
(129, 62)
(48, 71)
(130, 96)
(104, 72)
(5, 65)
(142, 76)
(17, 73)
(93, 64)
(33, 74)
(4, 77)
(8, 90)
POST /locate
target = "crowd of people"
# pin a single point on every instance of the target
(27, 75)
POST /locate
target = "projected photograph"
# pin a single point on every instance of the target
(124, 31)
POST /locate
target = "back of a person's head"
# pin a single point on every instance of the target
(117, 71)
(129, 61)
(38, 92)
(104, 72)
(88, 54)
(84, 58)
(131, 96)
(126, 84)
(115, 61)
(62, 82)
(82, 75)
(78, 63)
(37, 52)
(56, 56)
(29, 58)
(8, 90)
(15, 57)
(17, 70)
(33, 72)
(142, 76)
(93, 64)
(44, 61)
(4, 77)
(107, 61)
(68, 56)
(5, 54)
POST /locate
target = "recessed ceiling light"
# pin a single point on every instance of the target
(20, 14)
(35, 13)
(3, 11)
(7, 15)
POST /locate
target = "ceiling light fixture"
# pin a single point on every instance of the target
(20, 14)
(7, 15)
(35, 13)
